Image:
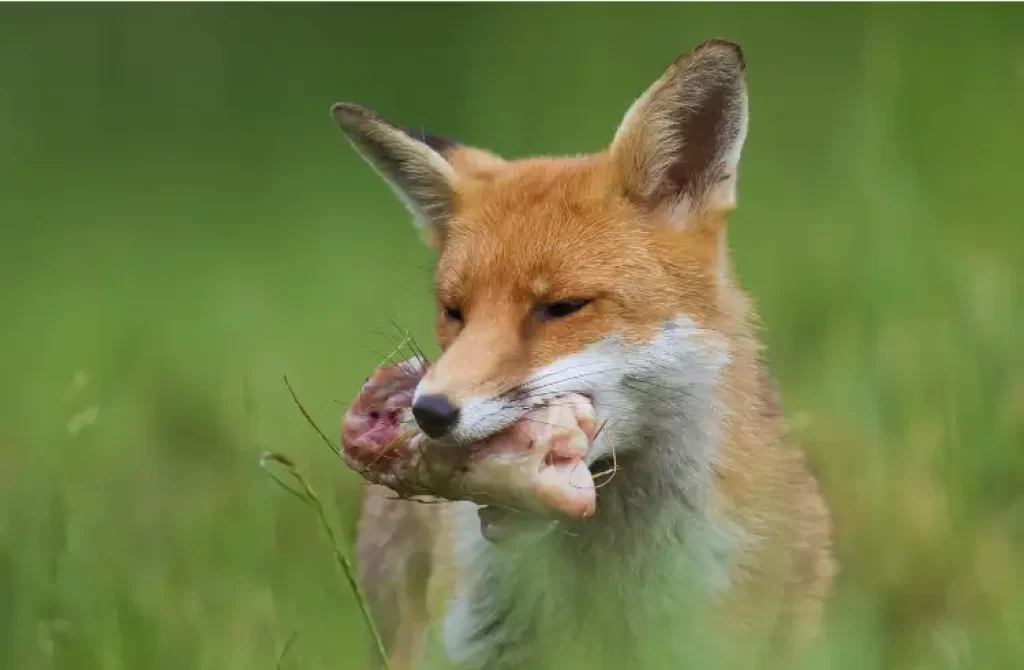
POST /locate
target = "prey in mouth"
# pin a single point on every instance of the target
(531, 472)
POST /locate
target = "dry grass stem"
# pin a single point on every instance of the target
(305, 493)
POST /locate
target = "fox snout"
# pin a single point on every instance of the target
(461, 414)
(462, 397)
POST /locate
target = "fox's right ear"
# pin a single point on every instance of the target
(413, 164)
(678, 148)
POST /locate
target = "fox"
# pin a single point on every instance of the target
(606, 275)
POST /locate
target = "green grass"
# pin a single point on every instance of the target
(181, 225)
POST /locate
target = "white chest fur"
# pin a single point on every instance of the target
(613, 596)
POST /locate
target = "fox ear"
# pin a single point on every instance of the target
(678, 148)
(413, 165)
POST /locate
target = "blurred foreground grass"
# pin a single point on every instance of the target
(181, 225)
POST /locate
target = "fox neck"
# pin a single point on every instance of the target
(660, 506)
(659, 547)
(661, 503)
(688, 408)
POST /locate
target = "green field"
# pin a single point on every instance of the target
(181, 225)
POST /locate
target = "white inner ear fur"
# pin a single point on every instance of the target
(722, 196)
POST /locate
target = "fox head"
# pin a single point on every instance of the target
(601, 274)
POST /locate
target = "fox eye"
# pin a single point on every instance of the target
(559, 309)
(453, 314)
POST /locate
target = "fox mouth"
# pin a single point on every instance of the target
(532, 471)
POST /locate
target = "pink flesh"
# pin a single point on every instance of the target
(374, 421)
(536, 465)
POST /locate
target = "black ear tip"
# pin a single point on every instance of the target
(343, 108)
(347, 113)
(720, 50)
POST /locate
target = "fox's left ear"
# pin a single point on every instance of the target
(678, 148)
(423, 170)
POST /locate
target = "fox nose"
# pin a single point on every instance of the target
(435, 415)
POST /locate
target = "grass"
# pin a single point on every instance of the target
(182, 225)
(305, 493)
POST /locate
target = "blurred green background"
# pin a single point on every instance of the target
(181, 224)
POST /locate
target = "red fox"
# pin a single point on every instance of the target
(606, 276)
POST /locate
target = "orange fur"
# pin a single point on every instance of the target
(638, 231)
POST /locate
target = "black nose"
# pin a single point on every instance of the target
(435, 415)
